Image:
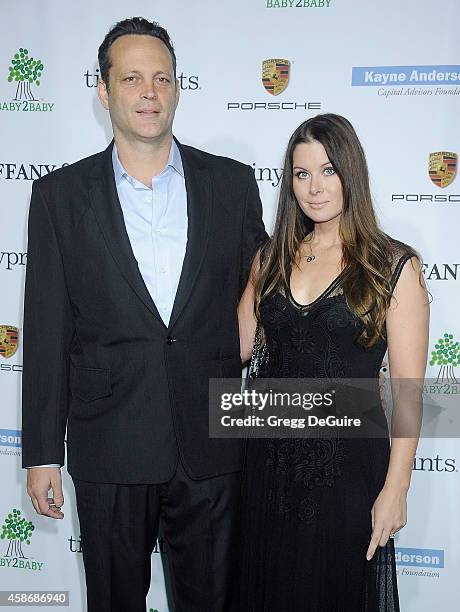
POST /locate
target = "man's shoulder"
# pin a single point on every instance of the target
(68, 174)
(214, 162)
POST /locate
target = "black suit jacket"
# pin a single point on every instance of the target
(98, 358)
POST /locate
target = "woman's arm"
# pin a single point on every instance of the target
(407, 325)
(246, 318)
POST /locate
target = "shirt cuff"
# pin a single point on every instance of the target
(45, 465)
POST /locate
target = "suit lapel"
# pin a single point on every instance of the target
(106, 206)
(199, 197)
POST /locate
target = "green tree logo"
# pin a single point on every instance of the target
(447, 356)
(24, 70)
(17, 530)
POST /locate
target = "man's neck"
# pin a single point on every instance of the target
(143, 161)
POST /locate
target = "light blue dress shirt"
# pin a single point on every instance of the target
(156, 222)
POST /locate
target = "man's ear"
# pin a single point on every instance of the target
(177, 92)
(103, 93)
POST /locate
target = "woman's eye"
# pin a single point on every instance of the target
(301, 174)
(329, 171)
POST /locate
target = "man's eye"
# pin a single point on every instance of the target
(130, 79)
(163, 79)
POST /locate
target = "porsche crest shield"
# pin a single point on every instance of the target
(275, 75)
(9, 337)
(442, 168)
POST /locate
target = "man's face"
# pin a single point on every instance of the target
(142, 93)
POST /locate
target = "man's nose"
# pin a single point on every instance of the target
(149, 92)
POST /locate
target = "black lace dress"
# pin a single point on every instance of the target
(306, 521)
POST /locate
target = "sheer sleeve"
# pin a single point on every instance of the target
(400, 253)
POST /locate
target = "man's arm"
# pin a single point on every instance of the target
(247, 321)
(48, 333)
(254, 234)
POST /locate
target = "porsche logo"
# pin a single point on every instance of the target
(442, 168)
(9, 337)
(275, 75)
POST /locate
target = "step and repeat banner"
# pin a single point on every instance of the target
(391, 67)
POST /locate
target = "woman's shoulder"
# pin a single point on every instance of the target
(398, 250)
(399, 254)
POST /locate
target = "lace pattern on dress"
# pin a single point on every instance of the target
(302, 465)
(259, 355)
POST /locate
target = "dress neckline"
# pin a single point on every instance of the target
(328, 289)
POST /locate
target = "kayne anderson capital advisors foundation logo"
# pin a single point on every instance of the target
(419, 562)
(10, 442)
(11, 438)
(276, 76)
(17, 533)
(393, 81)
(24, 75)
(442, 171)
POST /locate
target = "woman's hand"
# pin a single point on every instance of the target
(389, 515)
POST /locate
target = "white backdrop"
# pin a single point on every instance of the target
(404, 105)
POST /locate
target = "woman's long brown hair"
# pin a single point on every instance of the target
(366, 249)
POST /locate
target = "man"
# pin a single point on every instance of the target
(137, 258)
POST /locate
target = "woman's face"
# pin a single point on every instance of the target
(317, 187)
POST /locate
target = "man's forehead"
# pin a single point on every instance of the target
(131, 49)
(139, 42)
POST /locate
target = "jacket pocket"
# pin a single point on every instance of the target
(89, 384)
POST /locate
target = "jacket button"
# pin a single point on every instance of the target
(170, 340)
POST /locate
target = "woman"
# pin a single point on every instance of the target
(331, 292)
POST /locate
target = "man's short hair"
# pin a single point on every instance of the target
(135, 25)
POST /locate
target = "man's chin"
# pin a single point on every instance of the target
(150, 135)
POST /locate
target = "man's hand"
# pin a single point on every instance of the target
(39, 481)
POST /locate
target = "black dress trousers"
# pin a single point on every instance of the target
(200, 523)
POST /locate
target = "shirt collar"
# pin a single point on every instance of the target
(174, 161)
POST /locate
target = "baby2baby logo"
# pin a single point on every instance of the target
(17, 531)
(24, 74)
(445, 358)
